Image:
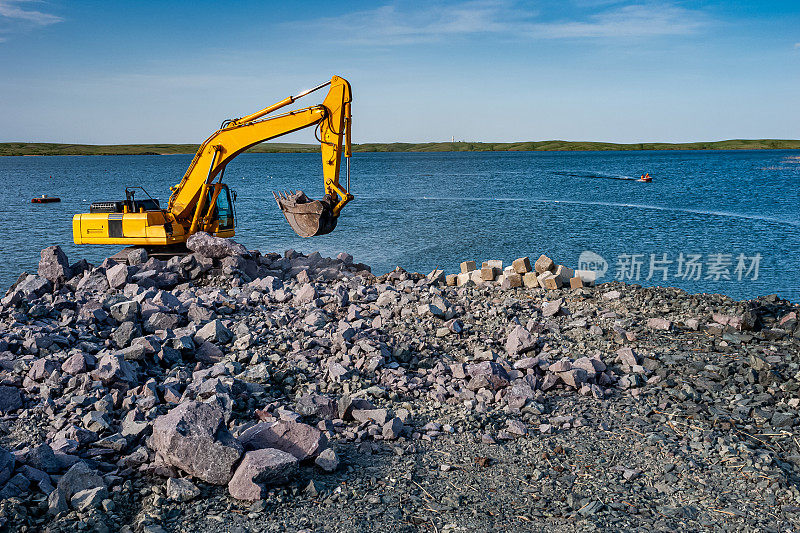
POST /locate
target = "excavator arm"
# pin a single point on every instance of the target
(188, 203)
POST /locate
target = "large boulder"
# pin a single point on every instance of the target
(317, 405)
(53, 265)
(75, 364)
(94, 281)
(6, 465)
(214, 332)
(493, 374)
(193, 437)
(125, 333)
(112, 367)
(10, 399)
(79, 478)
(214, 247)
(261, 468)
(300, 440)
(117, 276)
(34, 286)
(41, 458)
(520, 341)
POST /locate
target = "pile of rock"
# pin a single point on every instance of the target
(229, 368)
(544, 274)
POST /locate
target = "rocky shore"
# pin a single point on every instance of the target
(230, 390)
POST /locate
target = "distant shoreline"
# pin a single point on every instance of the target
(43, 149)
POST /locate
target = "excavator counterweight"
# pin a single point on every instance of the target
(202, 202)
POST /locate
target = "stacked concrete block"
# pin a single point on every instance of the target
(476, 276)
(488, 273)
(530, 280)
(564, 273)
(544, 264)
(511, 281)
(547, 280)
(587, 276)
(544, 273)
(522, 265)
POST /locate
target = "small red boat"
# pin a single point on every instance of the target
(645, 178)
(44, 199)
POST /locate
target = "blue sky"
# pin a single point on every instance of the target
(480, 70)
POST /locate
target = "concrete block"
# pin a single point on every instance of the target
(552, 282)
(543, 276)
(463, 278)
(511, 281)
(564, 273)
(488, 273)
(575, 283)
(476, 276)
(544, 264)
(522, 265)
(468, 266)
(451, 280)
(588, 277)
(508, 270)
(530, 280)
(493, 263)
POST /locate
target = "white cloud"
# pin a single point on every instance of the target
(392, 25)
(17, 16)
(797, 45)
(626, 21)
(389, 24)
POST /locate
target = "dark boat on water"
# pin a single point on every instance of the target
(44, 199)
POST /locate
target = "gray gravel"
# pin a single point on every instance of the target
(392, 403)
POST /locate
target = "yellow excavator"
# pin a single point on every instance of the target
(202, 202)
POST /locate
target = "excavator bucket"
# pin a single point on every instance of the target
(307, 217)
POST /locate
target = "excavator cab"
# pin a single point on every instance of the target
(221, 219)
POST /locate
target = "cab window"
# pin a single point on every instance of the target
(224, 209)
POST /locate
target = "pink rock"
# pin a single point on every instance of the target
(560, 366)
(260, 468)
(300, 440)
(74, 364)
(520, 341)
(193, 437)
(659, 323)
(627, 356)
(788, 317)
(494, 374)
(574, 378)
(515, 427)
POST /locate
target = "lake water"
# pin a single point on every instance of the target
(717, 221)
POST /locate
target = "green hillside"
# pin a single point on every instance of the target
(21, 148)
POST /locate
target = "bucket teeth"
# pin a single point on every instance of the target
(282, 195)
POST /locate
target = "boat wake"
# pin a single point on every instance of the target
(725, 214)
(601, 176)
